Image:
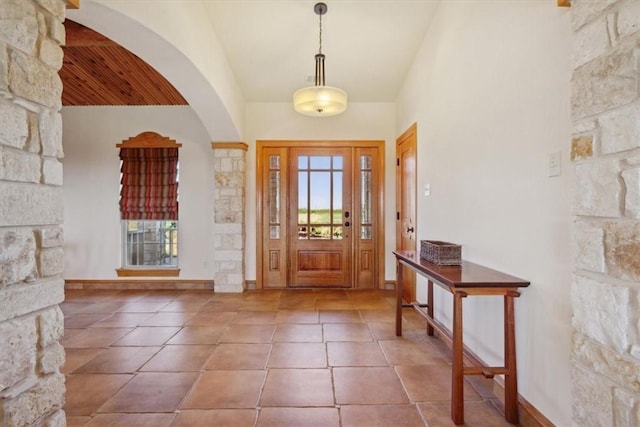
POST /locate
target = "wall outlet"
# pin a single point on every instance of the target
(554, 164)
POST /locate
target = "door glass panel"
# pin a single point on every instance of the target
(337, 198)
(274, 162)
(320, 162)
(337, 233)
(303, 162)
(365, 197)
(303, 200)
(365, 162)
(320, 197)
(320, 233)
(337, 162)
(274, 197)
(320, 189)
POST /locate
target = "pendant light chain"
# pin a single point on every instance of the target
(320, 35)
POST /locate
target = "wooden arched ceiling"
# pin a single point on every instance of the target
(98, 71)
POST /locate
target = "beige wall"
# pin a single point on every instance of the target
(92, 187)
(489, 91)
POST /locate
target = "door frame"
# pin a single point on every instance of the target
(379, 145)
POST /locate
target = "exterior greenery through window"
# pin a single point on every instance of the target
(150, 243)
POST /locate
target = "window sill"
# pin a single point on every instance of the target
(148, 272)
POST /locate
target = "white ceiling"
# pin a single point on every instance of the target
(369, 44)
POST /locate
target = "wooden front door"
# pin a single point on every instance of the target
(406, 230)
(320, 214)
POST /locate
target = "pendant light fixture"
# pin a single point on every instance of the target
(320, 100)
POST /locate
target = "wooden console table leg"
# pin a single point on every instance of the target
(430, 306)
(398, 299)
(457, 368)
(511, 378)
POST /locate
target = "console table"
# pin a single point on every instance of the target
(467, 279)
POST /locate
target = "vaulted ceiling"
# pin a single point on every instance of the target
(270, 45)
(98, 71)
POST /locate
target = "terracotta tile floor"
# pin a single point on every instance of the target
(262, 358)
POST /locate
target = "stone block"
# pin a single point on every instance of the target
(51, 359)
(604, 83)
(620, 370)
(622, 249)
(584, 11)
(51, 53)
(57, 30)
(17, 256)
(590, 41)
(598, 191)
(50, 237)
(45, 398)
(57, 419)
(592, 397)
(18, 356)
(229, 179)
(628, 22)
(52, 171)
(4, 71)
(32, 204)
(228, 288)
(600, 311)
(34, 81)
(624, 404)
(54, 7)
(582, 147)
(588, 247)
(19, 24)
(229, 255)
(33, 142)
(620, 130)
(633, 160)
(22, 299)
(50, 326)
(50, 129)
(631, 179)
(585, 126)
(14, 125)
(18, 165)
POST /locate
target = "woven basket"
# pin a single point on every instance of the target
(441, 253)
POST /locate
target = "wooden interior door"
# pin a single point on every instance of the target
(406, 227)
(320, 220)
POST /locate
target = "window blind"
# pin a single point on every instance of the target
(149, 183)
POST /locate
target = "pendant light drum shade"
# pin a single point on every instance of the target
(320, 101)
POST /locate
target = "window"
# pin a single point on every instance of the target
(149, 205)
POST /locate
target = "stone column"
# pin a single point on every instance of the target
(31, 259)
(606, 201)
(229, 229)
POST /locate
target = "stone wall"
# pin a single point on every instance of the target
(31, 259)
(229, 207)
(606, 233)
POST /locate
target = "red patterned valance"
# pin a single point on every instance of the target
(149, 183)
